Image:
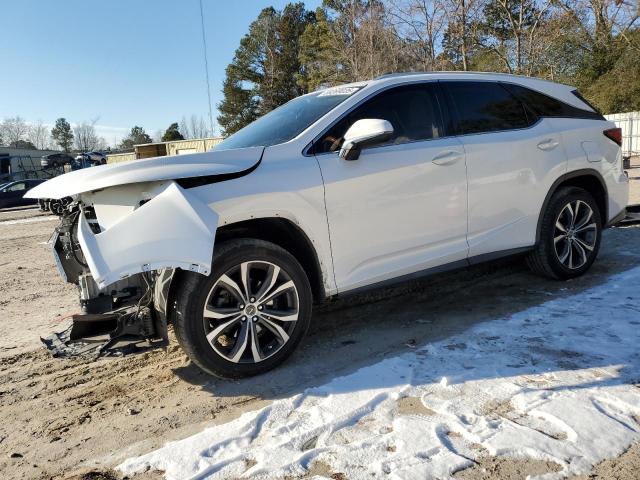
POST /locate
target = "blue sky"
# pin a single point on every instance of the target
(128, 62)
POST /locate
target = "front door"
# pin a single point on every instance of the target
(401, 207)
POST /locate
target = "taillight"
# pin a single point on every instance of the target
(614, 134)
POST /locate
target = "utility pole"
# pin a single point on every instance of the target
(206, 69)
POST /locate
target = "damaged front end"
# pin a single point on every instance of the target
(125, 228)
(121, 246)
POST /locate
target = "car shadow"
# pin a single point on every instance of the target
(364, 329)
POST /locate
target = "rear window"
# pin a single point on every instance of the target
(485, 107)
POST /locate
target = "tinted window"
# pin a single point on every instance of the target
(485, 107)
(545, 106)
(285, 122)
(16, 187)
(412, 111)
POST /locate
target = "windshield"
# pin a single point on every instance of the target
(285, 122)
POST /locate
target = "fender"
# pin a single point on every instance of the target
(568, 176)
(172, 230)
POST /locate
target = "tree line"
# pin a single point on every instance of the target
(592, 44)
(17, 133)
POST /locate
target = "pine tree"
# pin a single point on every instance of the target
(137, 136)
(264, 72)
(172, 133)
(62, 134)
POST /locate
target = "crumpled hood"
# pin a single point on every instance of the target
(148, 170)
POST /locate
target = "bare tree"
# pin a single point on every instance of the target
(13, 130)
(599, 20)
(85, 137)
(421, 24)
(38, 134)
(194, 127)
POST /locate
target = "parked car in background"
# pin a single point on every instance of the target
(336, 191)
(95, 158)
(12, 193)
(56, 160)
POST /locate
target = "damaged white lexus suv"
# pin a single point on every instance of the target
(336, 191)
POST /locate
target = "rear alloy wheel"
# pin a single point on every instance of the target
(249, 314)
(575, 234)
(570, 233)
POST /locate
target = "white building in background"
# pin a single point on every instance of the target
(630, 124)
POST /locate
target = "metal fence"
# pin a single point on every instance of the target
(630, 124)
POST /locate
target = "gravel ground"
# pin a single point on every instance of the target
(68, 419)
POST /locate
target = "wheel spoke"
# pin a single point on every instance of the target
(591, 226)
(219, 313)
(565, 255)
(560, 227)
(571, 216)
(244, 277)
(558, 238)
(282, 288)
(275, 329)
(233, 288)
(283, 316)
(269, 282)
(582, 252)
(255, 343)
(585, 220)
(584, 244)
(570, 254)
(575, 214)
(215, 333)
(241, 342)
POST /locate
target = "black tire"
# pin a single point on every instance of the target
(545, 259)
(193, 293)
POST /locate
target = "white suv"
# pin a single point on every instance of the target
(339, 190)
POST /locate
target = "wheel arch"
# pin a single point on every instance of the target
(588, 179)
(280, 231)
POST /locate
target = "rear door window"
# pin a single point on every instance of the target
(412, 110)
(485, 107)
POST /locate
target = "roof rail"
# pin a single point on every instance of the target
(402, 74)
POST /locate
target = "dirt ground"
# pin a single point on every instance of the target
(64, 419)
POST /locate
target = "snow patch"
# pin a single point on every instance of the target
(557, 382)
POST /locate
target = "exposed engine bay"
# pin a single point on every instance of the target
(124, 314)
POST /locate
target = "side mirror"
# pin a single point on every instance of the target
(364, 133)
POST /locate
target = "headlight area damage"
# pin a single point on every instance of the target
(122, 257)
(124, 230)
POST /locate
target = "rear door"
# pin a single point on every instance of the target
(400, 207)
(512, 158)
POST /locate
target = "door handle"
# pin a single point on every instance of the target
(548, 144)
(446, 158)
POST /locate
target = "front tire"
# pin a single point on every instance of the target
(570, 235)
(248, 315)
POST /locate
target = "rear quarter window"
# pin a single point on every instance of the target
(546, 106)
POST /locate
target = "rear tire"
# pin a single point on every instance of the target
(233, 328)
(570, 235)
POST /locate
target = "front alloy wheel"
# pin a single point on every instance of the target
(248, 315)
(250, 312)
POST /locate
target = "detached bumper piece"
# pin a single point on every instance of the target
(90, 336)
